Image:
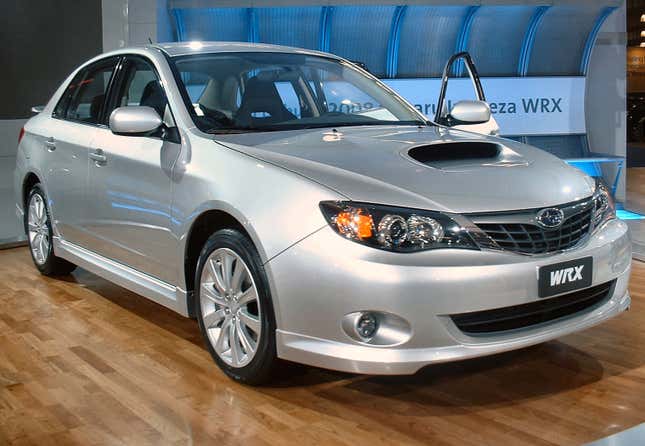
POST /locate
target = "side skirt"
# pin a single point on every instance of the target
(152, 288)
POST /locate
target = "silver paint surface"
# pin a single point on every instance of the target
(134, 119)
(471, 111)
(128, 218)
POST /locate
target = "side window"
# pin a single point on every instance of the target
(84, 98)
(141, 86)
(66, 98)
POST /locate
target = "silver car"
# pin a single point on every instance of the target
(301, 210)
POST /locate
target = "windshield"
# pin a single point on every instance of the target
(230, 92)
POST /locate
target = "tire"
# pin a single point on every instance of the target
(226, 309)
(38, 227)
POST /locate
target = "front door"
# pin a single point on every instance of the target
(130, 187)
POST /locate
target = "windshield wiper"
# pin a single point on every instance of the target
(321, 125)
(370, 123)
(234, 130)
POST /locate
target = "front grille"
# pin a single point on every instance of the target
(526, 315)
(528, 238)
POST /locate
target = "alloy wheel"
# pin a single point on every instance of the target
(230, 307)
(38, 229)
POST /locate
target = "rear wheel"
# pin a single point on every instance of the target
(234, 308)
(40, 235)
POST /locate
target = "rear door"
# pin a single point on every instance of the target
(129, 189)
(75, 120)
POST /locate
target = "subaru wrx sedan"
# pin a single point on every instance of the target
(301, 210)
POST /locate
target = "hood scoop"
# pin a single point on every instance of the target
(465, 155)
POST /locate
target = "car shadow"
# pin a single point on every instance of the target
(498, 380)
(152, 312)
(465, 387)
(493, 381)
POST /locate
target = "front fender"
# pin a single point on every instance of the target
(275, 206)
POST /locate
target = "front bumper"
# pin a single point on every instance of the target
(324, 277)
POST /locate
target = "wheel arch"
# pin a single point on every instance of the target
(30, 179)
(201, 228)
(28, 182)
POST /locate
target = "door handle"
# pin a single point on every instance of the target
(50, 144)
(99, 157)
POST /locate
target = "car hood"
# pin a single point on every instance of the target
(428, 168)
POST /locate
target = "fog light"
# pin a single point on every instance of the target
(376, 328)
(366, 325)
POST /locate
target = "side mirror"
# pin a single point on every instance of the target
(134, 120)
(470, 112)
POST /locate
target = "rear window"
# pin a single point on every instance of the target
(84, 98)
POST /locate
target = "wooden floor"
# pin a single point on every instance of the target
(83, 361)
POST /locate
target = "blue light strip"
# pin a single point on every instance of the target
(325, 26)
(591, 40)
(628, 215)
(393, 42)
(179, 23)
(529, 40)
(253, 35)
(462, 40)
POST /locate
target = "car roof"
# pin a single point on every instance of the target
(205, 47)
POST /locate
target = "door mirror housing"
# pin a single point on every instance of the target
(134, 121)
(472, 116)
(470, 112)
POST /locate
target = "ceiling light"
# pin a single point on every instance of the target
(642, 33)
(643, 18)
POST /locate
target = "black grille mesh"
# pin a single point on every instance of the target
(526, 315)
(531, 239)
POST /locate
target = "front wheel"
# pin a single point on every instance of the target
(234, 308)
(38, 224)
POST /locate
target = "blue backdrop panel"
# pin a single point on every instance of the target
(415, 41)
(428, 38)
(362, 33)
(560, 40)
(495, 38)
(562, 146)
(227, 24)
(294, 26)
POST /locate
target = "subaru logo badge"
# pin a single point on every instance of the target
(550, 218)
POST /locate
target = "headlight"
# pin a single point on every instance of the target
(395, 229)
(604, 207)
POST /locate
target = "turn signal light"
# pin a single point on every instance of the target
(355, 224)
(21, 134)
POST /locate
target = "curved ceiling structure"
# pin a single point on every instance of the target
(414, 40)
(428, 37)
(560, 40)
(496, 37)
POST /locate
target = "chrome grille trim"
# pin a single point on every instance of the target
(517, 231)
